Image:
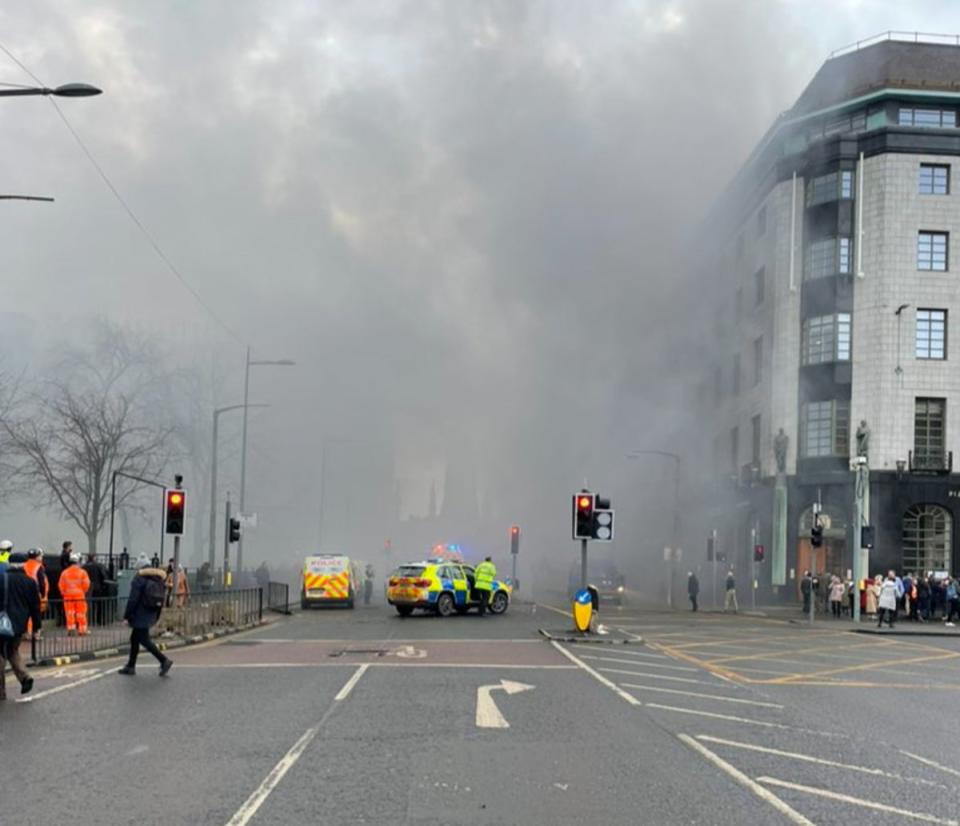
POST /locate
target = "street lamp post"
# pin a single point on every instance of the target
(67, 90)
(243, 449)
(636, 454)
(211, 554)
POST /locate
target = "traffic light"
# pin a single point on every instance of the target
(583, 507)
(816, 532)
(515, 539)
(602, 520)
(711, 548)
(758, 553)
(867, 536)
(176, 503)
(234, 529)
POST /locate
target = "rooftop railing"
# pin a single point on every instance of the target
(901, 37)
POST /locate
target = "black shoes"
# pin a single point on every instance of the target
(165, 666)
(26, 686)
(129, 670)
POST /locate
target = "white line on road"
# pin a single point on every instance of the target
(622, 651)
(930, 762)
(41, 694)
(334, 664)
(806, 758)
(597, 676)
(637, 662)
(764, 794)
(701, 694)
(856, 801)
(656, 676)
(716, 716)
(344, 692)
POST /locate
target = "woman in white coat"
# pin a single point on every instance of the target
(888, 600)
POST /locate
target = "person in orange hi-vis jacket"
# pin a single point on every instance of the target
(74, 584)
(34, 569)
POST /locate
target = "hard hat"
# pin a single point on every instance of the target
(6, 545)
(34, 553)
(74, 556)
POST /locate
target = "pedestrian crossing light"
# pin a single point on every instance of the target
(758, 553)
(176, 503)
(234, 529)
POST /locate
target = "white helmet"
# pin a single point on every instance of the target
(6, 545)
(74, 556)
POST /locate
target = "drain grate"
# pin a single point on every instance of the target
(346, 652)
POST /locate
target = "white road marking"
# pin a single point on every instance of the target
(596, 675)
(30, 698)
(930, 762)
(621, 650)
(856, 801)
(488, 715)
(764, 794)
(567, 614)
(806, 758)
(701, 694)
(342, 664)
(717, 716)
(654, 676)
(344, 692)
(637, 662)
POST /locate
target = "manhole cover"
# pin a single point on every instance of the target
(346, 652)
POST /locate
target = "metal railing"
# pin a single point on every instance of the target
(185, 616)
(934, 38)
(278, 598)
(931, 461)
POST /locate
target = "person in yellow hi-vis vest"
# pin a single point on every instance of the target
(485, 574)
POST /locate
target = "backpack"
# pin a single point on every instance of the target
(154, 593)
(6, 625)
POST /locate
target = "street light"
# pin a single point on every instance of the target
(243, 449)
(67, 90)
(636, 454)
(211, 555)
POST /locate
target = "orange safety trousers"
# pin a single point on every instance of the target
(74, 584)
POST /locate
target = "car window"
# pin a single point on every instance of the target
(410, 570)
(456, 572)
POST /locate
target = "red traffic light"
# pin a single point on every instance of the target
(584, 502)
(515, 530)
(176, 498)
(176, 503)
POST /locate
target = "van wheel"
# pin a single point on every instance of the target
(445, 605)
(499, 603)
(404, 610)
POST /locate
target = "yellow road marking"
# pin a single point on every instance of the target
(867, 667)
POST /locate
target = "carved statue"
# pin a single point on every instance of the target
(780, 444)
(863, 439)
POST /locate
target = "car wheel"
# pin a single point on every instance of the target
(404, 610)
(499, 603)
(445, 604)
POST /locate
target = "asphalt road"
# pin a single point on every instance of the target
(348, 717)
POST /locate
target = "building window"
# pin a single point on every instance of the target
(761, 221)
(928, 434)
(932, 250)
(824, 429)
(755, 432)
(734, 450)
(928, 118)
(931, 334)
(736, 374)
(830, 187)
(934, 179)
(759, 284)
(826, 339)
(927, 539)
(757, 360)
(826, 257)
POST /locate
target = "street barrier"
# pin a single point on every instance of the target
(278, 598)
(185, 616)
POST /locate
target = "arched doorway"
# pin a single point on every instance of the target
(927, 539)
(829, 557)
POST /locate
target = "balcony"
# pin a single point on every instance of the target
(931, 462)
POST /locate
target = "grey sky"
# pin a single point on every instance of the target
(464, 220)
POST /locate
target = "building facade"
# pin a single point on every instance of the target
(833, 276)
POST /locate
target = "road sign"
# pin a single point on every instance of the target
(582, 609)
(488, 715)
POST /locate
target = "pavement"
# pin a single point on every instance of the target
(364, 717)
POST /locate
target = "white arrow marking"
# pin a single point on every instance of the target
(409, 652)
(488, 715)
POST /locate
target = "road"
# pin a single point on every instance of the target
(351, 717)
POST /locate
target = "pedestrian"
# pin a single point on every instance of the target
(74, 585)
(873, 592)
(6, 548)
(806, 590)
(952, 594)
(98, 587)
(34, 569)
(205, 578)
(147, 594)
(262, 576)
(909, 596)
(837, 590)
(183, 586)
(65, 551)
(368, 575)
(888, 600)
(484, 575)
(19, 604)
(901, 594)
(693, 589)
(730, 598)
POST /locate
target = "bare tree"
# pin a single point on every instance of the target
(74, 430)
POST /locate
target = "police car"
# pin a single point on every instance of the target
(441, 586)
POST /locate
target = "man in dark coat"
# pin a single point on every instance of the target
(693, 588)
(20, 598)
(147, 587)
(98, 588)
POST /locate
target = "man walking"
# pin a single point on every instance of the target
(20, 600)
(485, 573)
(74, 585)
(147, 593)
(693, 588)
(731, 596)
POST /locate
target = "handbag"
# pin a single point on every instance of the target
(6, 626)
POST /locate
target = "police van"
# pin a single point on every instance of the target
(329, 579)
